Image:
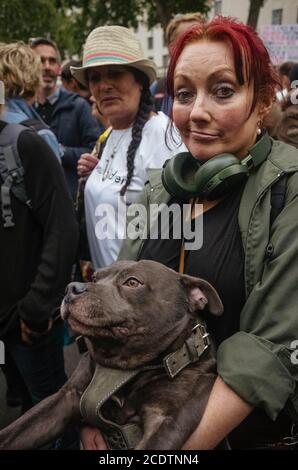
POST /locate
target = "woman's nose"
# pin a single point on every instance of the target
(201, 109)
(105, 83)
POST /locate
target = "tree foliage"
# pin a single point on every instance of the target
(20, 20)
(68, 22)
(127, 12)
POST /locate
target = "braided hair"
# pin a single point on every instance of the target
(145, 108)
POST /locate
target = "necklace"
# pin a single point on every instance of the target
(109, 160)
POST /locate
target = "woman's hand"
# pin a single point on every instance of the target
(92, 439)
(86, 163)
(28, 335)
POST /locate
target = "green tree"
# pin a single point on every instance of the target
(88, 14)
(68, 22)
(21, 20)
(128, 12)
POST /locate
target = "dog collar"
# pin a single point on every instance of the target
(191, 351)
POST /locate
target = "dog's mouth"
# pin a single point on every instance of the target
(92, 327)
(96, 330)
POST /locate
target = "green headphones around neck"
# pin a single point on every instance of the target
(184, 176)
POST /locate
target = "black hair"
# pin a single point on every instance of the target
(285, 68)
(293, 75)
(66, 72)
(145, 108)
(67, 75)
(34, 42)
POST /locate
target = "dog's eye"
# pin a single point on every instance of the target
(132, 282)
(93, 278)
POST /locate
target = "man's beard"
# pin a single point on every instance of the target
(49, 85)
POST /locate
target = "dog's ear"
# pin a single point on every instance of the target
(201, 294)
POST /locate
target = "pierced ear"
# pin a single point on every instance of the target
(264, 109)
(202, 295)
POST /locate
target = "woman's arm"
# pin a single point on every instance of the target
(225, 410)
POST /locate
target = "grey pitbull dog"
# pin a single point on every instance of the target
(135, 316)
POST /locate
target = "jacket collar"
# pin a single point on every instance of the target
(54, 97)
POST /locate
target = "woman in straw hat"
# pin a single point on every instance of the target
(119, 76)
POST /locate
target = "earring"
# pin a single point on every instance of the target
(259, 130)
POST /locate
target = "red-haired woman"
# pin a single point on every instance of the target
(222, 83)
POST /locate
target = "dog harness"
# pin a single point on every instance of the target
(106, 382)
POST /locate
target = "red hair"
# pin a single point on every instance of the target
(251, 58)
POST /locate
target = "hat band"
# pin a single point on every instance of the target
(111, 57)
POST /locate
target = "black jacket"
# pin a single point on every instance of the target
(75, 129)
(38, 252)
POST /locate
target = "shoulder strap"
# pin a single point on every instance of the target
(35, 124)
(278, 193)
(10, 134)
(11, 172)
(101, 142)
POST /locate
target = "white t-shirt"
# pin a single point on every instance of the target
(105, 209)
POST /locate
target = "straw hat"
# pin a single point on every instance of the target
(110, 45)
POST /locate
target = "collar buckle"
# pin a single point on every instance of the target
(191, 351)
(204, 333)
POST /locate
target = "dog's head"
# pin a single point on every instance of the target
(133, 311)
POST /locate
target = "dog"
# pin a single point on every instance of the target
(139, 319)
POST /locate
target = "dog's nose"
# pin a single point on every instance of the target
(73, 290)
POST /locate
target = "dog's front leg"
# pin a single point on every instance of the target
(157, 427)
(166, 431)
(48, 419)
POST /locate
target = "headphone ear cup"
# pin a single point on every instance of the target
(178, 175)
(184, 177)
(219, 175)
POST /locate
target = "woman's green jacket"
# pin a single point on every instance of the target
(260, 362)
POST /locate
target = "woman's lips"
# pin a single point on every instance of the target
(204, 136)
(110, 99)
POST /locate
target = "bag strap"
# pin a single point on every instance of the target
(278, 194)
(101, 142)
(13, 176)
(35, 124)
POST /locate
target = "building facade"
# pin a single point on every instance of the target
(273, 12)
(154, 46)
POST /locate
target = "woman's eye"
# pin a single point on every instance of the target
(224, 92)
(183, 96)
(94, 78)
(132, 282)
(113, 74)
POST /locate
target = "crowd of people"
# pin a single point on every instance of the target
(220, 133)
